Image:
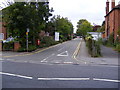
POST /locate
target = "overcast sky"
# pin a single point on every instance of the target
(74, 10)
(92, 10)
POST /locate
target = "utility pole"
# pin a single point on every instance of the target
(27, 39)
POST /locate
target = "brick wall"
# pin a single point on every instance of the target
(3, 30)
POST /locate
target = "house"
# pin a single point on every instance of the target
(112, 20)
(95, 35)
(96, 27)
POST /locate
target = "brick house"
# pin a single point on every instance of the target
(112, 20)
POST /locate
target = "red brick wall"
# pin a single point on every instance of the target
(111, 22)
(106, 26)
(16, 46)
(117, 22)
(3, 30)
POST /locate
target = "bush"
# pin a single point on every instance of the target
(118, 47)
(89, 45)
(30, 48)
(111, 40)
(97, 50)
(47, 40)
(8, 46)
(93, 47)
(104, 41)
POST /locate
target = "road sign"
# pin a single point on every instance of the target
(28, 30)
(56, 36)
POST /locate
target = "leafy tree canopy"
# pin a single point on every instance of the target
(83, 26)
(22, 15)
(62, 25)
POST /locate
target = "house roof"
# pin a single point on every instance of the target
(117, 7)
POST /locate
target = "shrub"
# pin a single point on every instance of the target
(104, 41)
(47, 41)
(30, 48)
(111, 40)
(116, 42)
(97, 50)
(89, 45)
(93, 47)
(118, 47)
(8, 46)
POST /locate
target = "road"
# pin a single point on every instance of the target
(55, 67)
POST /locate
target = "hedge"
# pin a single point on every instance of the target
(93, 48)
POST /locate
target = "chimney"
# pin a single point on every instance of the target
(107, 7)
(113, 4)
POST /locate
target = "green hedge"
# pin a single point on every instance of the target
(118, 47)
(47, 41)
(30, 48)
(93, 48)
(8, 46)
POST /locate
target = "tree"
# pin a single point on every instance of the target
(83, 27)
(63, 26)
(22, 15)
(102, 28)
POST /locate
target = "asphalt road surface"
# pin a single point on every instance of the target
(55, 67)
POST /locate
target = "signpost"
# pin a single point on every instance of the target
(27, 39)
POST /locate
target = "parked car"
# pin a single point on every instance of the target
(8, 40)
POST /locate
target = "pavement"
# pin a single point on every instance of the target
(109, 56)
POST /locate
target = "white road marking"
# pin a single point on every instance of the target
(16, 75)
(60, 49)
(1, 59)
(65, 53)
(67, 62)
(64, 79)
(44, 60)
(109, 80)
(57, 62)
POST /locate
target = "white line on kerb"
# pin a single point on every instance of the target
(109, 80)
(16, 75)
(64, 79)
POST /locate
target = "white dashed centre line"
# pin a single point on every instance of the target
(16, 75)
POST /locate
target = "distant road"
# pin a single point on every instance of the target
(55, 67)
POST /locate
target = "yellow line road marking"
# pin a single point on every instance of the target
(34, 52)
(76, 51)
